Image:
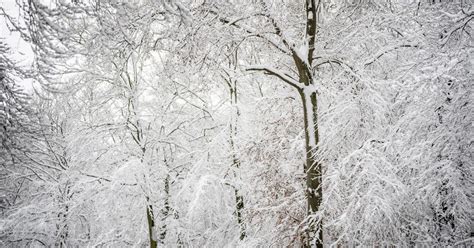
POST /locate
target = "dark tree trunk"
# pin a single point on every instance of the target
(165, 211)
(312, 169)
(151, 224)
(239, 199)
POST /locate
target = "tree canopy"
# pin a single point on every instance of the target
(183, 123)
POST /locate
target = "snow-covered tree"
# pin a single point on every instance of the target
(240, 123)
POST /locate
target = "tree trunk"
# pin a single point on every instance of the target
(239, 203)
(312, 169)
(149, 206)
(151, 224)
(239, 199)
(136, 133)
(235, 114)
(62, 227)
(165, 211)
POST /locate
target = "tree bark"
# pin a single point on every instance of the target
(151, 225)
(239, 199)
(312, 169)
(235, 114)
(165, 211)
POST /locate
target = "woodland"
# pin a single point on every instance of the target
(237, 123)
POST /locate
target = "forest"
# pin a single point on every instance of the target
(237, 123)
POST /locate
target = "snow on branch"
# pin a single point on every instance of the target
(460, 25)
(341, 63)
(377, 56)
(249, 30)
(277, 73)
(105, 179)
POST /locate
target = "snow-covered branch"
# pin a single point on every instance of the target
(277, 73)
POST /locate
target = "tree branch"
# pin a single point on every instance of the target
(248, 30)
(279, 74)
(369, 62)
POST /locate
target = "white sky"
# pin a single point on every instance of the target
(20, 50)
